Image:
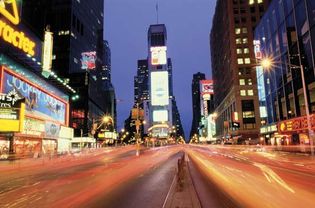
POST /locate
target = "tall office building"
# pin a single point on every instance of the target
(234, 77)
(195, 92)
(79, 51)
(289, 42)
(159, 79)
(141, 82)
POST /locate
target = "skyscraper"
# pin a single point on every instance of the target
(160, 100)
(195, 93)
(232, 55)
(79, 54)
(141, 82)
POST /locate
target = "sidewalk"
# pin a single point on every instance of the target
(182, 193)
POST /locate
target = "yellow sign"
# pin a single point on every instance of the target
(14, 18)
(11, 35)
(11, 125)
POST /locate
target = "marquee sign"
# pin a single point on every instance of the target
(296, 124)
(9, 31)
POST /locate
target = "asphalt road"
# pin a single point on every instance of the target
(254, 177)
(90, 181)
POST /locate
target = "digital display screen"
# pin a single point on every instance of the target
(160, 115)
(158, 55)
(159, 88)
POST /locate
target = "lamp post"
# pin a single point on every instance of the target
(267, 63)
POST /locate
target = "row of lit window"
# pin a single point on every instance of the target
(241, 61)
(253, 2)
(239, 30)
(242, 51)
(241, 40)
(249, 93)
(249, 82)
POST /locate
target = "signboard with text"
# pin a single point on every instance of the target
(158, 55)
(39, 103)
(159, 88)
(296, 124)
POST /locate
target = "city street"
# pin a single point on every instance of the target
(223, 176)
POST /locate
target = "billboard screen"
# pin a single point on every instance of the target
(206, 88)
(38, 102)
(159, 88)
(160, 116)
(88, 60)
(158, 55)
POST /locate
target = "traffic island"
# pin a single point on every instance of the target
(182, 193)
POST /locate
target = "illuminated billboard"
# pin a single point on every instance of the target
(206, 89)
(159, 88)
(9, 28)
(39, 103)
(160, 115)
(158, 55)
(88, 60)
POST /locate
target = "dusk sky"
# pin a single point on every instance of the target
(188, 24)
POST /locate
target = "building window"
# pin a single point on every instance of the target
(259, 1)
(248, 114)
(242, 81)
(250, 92)
(244, 30)
(251, 2)
(245, 40)
(249, 126)
(237, 31)
(238, 41)
(247, 60)
(239, 51)
(250, 82)
(246, 50)
(240, 61)
(243, 92)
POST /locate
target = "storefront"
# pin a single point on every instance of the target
(268, 134)
(295, 131)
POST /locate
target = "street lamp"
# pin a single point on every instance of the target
(268, 63)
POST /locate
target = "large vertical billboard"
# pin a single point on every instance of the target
(159, 88)
(206, 89)
(160, 116)
(158, 55)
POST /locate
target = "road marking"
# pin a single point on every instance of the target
(169, 191)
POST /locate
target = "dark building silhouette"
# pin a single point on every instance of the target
(195, 92)
(141, 82)
(232, 58)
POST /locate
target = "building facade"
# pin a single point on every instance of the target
(79, 55)
(232, 55)
(34, 111)
(286, 34)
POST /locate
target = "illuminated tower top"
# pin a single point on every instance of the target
(157, 35)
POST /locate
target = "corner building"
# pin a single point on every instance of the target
(287, 34)
(232, 55)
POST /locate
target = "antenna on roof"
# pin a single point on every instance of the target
(157, 12)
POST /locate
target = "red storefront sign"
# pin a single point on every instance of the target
(295, 125)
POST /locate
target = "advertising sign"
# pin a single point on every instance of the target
(38, 103)
(12, 110)
(9, 30)
(257, 50)
(33, 127)
(47, 53)
(159, 88)
(52, 130)
(88, 60)
(296, 124)
(206, 89)
(160, 115)
(158, 55)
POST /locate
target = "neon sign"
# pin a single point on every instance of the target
(88, 60)
(11, 35)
